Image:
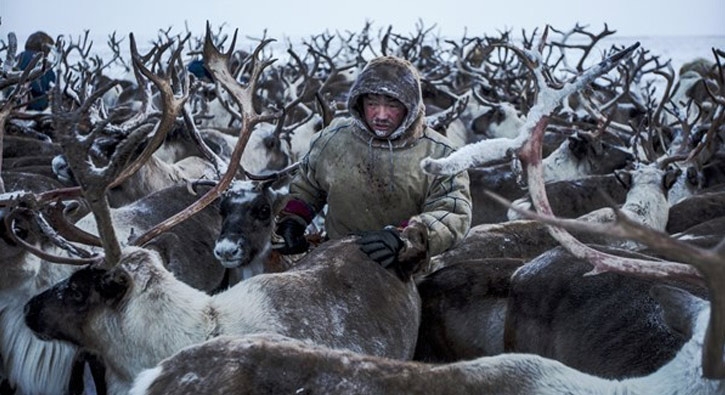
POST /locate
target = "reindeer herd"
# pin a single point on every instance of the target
(137, 248)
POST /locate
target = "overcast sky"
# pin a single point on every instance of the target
(295, 18)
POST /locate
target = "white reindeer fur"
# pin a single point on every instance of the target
(501, 374)
(511, 126)
(187, 316)
(561, 165)
(300, 139)
(646, 200)
(32, 366)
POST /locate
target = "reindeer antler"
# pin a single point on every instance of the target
(707, 262)
(218, 65)
(492, 150)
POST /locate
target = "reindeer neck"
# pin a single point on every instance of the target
(155, 323)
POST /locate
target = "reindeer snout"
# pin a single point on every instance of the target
(228, 253)
(31, 312)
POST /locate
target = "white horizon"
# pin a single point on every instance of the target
(296, 19)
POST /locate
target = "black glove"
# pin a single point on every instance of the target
(382, 246)
(293, 233)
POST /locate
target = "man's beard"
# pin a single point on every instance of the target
(382, 133)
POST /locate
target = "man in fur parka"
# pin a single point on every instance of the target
(366, 168)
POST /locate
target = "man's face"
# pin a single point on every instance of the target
(383, 114)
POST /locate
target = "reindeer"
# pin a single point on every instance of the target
(464, 309)
(89, 308)
(263, 363)
(365, 308)
(45, 367)
(544, 305)
(244, 243)
(605, 325)
(153, 176)
(186, 248)
(31, 366)
(645, 204)
(706, 262)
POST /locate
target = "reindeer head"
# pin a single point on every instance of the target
(247, 209)
(68, 310)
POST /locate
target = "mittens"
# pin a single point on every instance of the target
(293, 233)
(382, 246)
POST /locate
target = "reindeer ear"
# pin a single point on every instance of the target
(624, 178)
(113, 285)
(670, 178)
(279, 198)
(578, 145)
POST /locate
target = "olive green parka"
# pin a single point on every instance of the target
(369, 183)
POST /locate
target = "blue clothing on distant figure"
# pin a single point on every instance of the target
(40, 86)
(197, 68)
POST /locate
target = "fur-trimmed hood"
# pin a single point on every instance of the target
(395, 77)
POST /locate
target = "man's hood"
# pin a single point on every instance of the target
(395, 77)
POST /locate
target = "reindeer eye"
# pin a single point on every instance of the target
(76, 295)
(270, 142)
(692, 176)
(263, 212)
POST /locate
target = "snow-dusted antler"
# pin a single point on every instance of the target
(495, 150)
(218, 64)
(703, 264)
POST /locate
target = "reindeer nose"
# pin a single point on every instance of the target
(30, 314)
(225, 250)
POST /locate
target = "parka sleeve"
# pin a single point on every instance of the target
(307, 197)
(447, 212)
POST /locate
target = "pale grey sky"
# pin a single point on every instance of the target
(295, 18)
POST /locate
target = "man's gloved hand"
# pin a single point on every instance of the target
(293, 233)
(382, 246)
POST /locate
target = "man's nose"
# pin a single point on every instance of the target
(382, 112)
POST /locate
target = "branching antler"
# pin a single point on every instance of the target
(705, 262)
(218, 65)
(702, 265)
(171, 105)
(494, 150)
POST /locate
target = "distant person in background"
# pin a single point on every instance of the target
(38, 42)
(197, 68)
